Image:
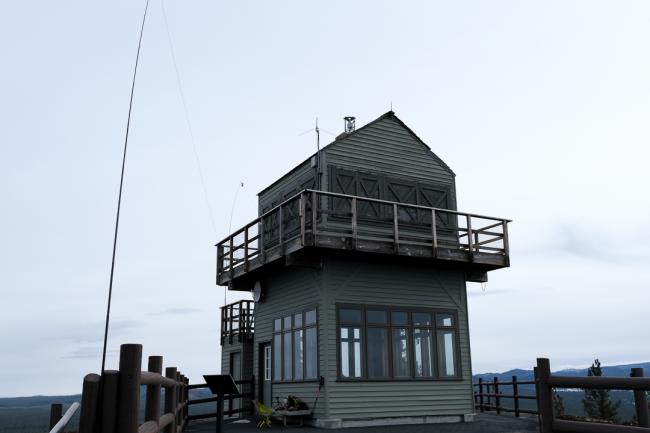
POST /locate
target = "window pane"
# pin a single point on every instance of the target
(423, 359)
(277, 357)
(350, 352)
(399, 318)
(422, 319)
(267, 362)
(311, 355)
(297, 320)
(446, 353)
(401, 365)
(377, 352)
(287, 322)
(310, 317)
(445, 319)
(277, 325)
(378, 317)
(297, 354)
(349, 315)
(287, 356)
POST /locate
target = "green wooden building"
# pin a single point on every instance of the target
(358, 263)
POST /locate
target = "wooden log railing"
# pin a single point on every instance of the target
(547, 382)
(243, 397)
(486, 391)
(310, 213)
(111, 403)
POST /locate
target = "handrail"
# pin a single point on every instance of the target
(287, 226)
(65, 419)
(114, 397)
(498, 395)
(547, 382)
(367, 199)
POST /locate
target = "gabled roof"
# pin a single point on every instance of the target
(343, 136)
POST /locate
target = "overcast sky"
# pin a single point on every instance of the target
(542, 109)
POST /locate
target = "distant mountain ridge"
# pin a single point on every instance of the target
(622, 370)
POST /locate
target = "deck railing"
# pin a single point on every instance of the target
(237, 322)
(110, 403)
(489, 396)
(400, 228)
(244, 398)
(547, 382)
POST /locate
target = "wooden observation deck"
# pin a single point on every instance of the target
(317, 219)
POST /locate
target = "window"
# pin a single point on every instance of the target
(267, 362)
(378, 343)
(295, 347)
(446, 336)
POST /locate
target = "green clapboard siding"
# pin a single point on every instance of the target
(387, 147)
(301, 177)
(287, 292)
(363, 282)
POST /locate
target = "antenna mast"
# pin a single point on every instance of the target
(119, 196)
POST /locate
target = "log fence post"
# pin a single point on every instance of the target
(110, 384)
(544, 395)
(152, 402)
(640, 401)
(515, 393)
(89, 404)
(497, 397)
(170, 399)
(128, 401)
(56, 412)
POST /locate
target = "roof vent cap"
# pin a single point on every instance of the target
(349, 124)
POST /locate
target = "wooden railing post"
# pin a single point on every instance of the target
(395, 229)
(515, 394)
(89, 404)
(544, 395)
(56, 412)
(434, 234)
(261, 241)
(470, 236)
(353, 206)
(152, 402)
(480, 394)
(128, 402)
(220, 260)
(314, 216)
(497, 397)
(281, 230)
(110, 384)
(303, 216)
(231, 252)
(506, 243)
(640, 401)
(246, 249)
(170, 399)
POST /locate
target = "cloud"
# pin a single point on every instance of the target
(94, 352)
(94, 332)
(176, 311)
